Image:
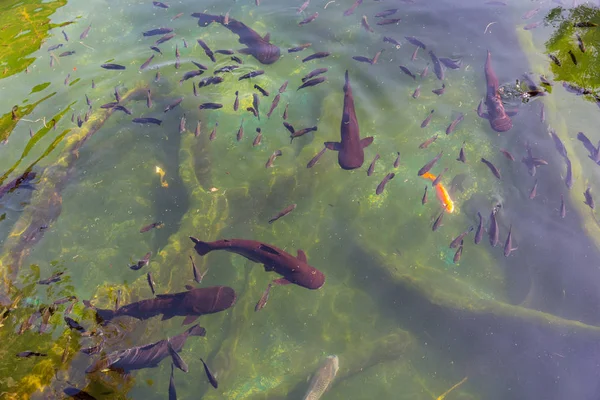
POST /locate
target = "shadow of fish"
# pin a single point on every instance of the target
(322, 379)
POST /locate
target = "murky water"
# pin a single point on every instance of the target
(406, 316)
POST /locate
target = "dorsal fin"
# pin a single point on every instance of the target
(302, 256)
(267, 37)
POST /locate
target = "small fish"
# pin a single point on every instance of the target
(386, 13)
(261, 90)
(160, 5)
(414, 41)
(285, 112)
(283, 213)
(227, 68)
(479, 233)
(312, 82)
(52, 279)
(113, 66)
(558, 144)
(210, 106)
(417, 92)
(397, 161)
(531, 13)
(376, 57)
(437, 66)
(543, 113)
(508, 245)
(461, 154)
(177, 360)
(164, 38)
(172, 390)
(65, 35)
(299, 48)
(283, 87)
(274, 105)
(236, 102)
(362, 59)
(173, 105)
(424, 198)
(209, 375)
(72, 324)
(388, 21)
(226, 52)
(381, 186)
(407, 71)
(365, 24)
(272, 158)
(211, 80)
(563, 210)
(213, 133)
(580, 43)
(258, 138)
(429, 141)
(182, 122)
(147, 62)
(414, 54)
(226, 18)
(251, 74)
(67, 79)
(200, 66)
(148, 99)
(236, 59)
(240, 132)
(303, 132)
(387, 39)
(493, 232)
(194, 90)
(67, 53)
(316, 158)
(450, 63)
(253, 111)
(438, 178)
(589, 200)
(142, 263)
(533, 191)
(532, 25)
(150, 280)
(177, 16)
(321, 54)
(555, 59)
(157, 31)
(427, 120)
(372, 166)
(438, 222)
(573, 57)
(85, 32)
(430, 164)
(458, 254)
(190, 74)
(27, 354)
(440, 91)
(263, 299)
(198, 128)
(492, 168)
(350, 11)
(303, 7)
(309, 19)
(255, 104)
(507, 154)
(93, 84)
(157, 76)
(454, 123)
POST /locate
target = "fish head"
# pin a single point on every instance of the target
(308, 277)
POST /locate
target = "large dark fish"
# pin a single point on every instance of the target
(437, 66)
(283, 213)
(499, 120)
(148, 356)
(430, 164)
(293, 269)
(381, 186)
(190, 304)
(492, 168)
(321, 54)
(257, 46)
(351, 154)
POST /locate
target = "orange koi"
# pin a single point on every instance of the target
(442, 193)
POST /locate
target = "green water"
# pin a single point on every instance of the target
(405, 321)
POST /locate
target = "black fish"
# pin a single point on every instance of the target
(210, 376)
(312, 82)
(573, 57)
(227, 68)
(210, 80)
(236, 59)
(479, 233)
(414, 41)
(321, 54)
(579, 43)
(438, 222)
(157, 31)
(299, 48)
(273, 105)
(27, 354)
(226, 52)
(272, 158)
(430, 164)
(372, 166)
(261, 90)
(427, 120)
(314, 73)
(563, 210)
(160, 5)
(67, 53)
(493, 232)
(150, 280)
(387, 39)
(112, 66)
(386, 13)
(440, 91)
(54, 278)
(424, 198)
(285, 112)
(316, 158)
(560, 147)
(255, 104)
(388, 21)
(407, 71)
(251, 74)
(72, 324)
(253, 111)
(257, 46)
(362, 59)
(461, 154)
(156, 49)
(173, 105)
(555, 59)
(437, 66)
(164, 38)
(210, 106)
(450, 63)
(65, 35)
(141, 263)
(384, 182)
(85, 32)
(458, 240)
(492, 168)
(585, 24)
(190, 74)
(200, 66)
(283, 213)
(236, 102)
(147, 120)
(209, 53)
(589, 200)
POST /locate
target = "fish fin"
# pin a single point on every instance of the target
(189, 319)
(166, 317)
(366, 141)
(267, 37)
(333, 146)
(245, 51)
(268, 249)
(302, 256)
(201, 247)
(281, 281)
(188, 287)
(196, 330)
(511, 113)
(485, 115)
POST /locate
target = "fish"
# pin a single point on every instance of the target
(299, 48)
(376, 57)
(251, 74)
(274, 105)
(177, 16)
(190, 74)
(257, 46)
(160, 5)
(362, 59)
(458, 254)
(236, 102)
(157, 31)
(27, 354)
(255, 104)
(587, 143)
(493, 232)
(387, 39)
(531, 13)
(479, 233)
(322, 378)
(492, 168)
(437, 66)
(558, 144)
(182, 122)
(427, 120)
(172, 391)
(397, 161)
(303, 7)
(303, 132)
(262, 302)
(458, 240)
(74, 325)
(211, 80)
(388, 21)
(261, 90)
(589, 200)
(226, 52)
(430, 164)
(253, 111)
(141, 263)
(240, 132)
(213, 133)
(148, 99)
(407, 71)
(258, 138)
(416, 42)
(309, 19)
(438, 222)
(573, 58)
(283, 87)
(441, 193)
(85, 33)
(294, 269)
(227, 68)
(461, 154)
(113, 66)
(283, 213)
(200, 66)
(499, 120)
(454, 123)
(316, 158)
(554, 59)
(508, 245)
(532, 25)
(562, 210)
(321, 54)
(177, 360)
(450, 63)
(210, 376)
(351, 148)
(438, 178)
(65, 36)
(236, 59)
(417, 92)
(381, 186)
(365, 24)
(67, 79)
(173, 105)
(585, 24)
(56, 277)
(424, 198)
(148, 356)
(312, 82)
(150, 280)
(350, 11)
(533, 191)
(210, 106)
(272, 158)
(157, 76)
(164, 38)
(67, 53)
(440, 91)
(372, 166)
(580, 43)
(507, 154)
(428, 142)
(156, 49)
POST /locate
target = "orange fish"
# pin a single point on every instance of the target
(442, 193)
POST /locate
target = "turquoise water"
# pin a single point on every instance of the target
(405, 320)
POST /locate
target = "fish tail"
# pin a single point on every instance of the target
(196, 330)
(207, 19)
(201, 247)
(428, 175)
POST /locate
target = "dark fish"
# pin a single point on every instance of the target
(393, 41)
(255, 104)
(424, 198)
(148, 356)
(351, 148)
(148, 99)
(428, 142)
(440, 91)
(160, 5)
(210, 106)
(119, 107)
(437, 66)
(386, 13)
(72, 324)
(294, 269)
(499, 120)
(493, 232)
(289, 127)
(580, 43)
(80, 121)
(272, 158)
(417, 92)
(156, 49)
(454, 123)
(27, 354)
(555, 59)
(85, 32)
(372, 166)
(88, 101)
(261, 90)
(450, 63)
(362, 59)
(65, 35)
(213, 133)
(78, 394)
(210, 80)
(589, 200)
(285, 112)
(257, 46)
(458, 254)
(414, 41)
(312, 82)
(251, 74)
(461, 154)
(236, 102)
(177, 360)
(563, 210)
(458, 240)
(157, 31)
(573, 57)
(397, 161)
(430, 164)
(283, 87)
(299, 48)
(309, 19)
(407, 71)
(190, 74)
(226, 52)
(388, 21)
(52, 279)
(273, 105)
(164, 38)
(321, 54)
(303, 132)
(479, 233)
(533, 191)
(438, 178)
(67, 53)
(209, 375)
(194, 90)
(112, 66)
(172, 391)
(200, 66)
(240, 132)
(569, 87)
(147, 120)
(150, 280)
(492, 168)
(253, 111)
(438, 221)
(262, 302)
(173, 105)
(508, 245)
(141, 263)
(258, 138)
(227, 68)
(350, 11)
(384, 182)
(283, 213)
(236, 59)
(316, 158)
(507, 154)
